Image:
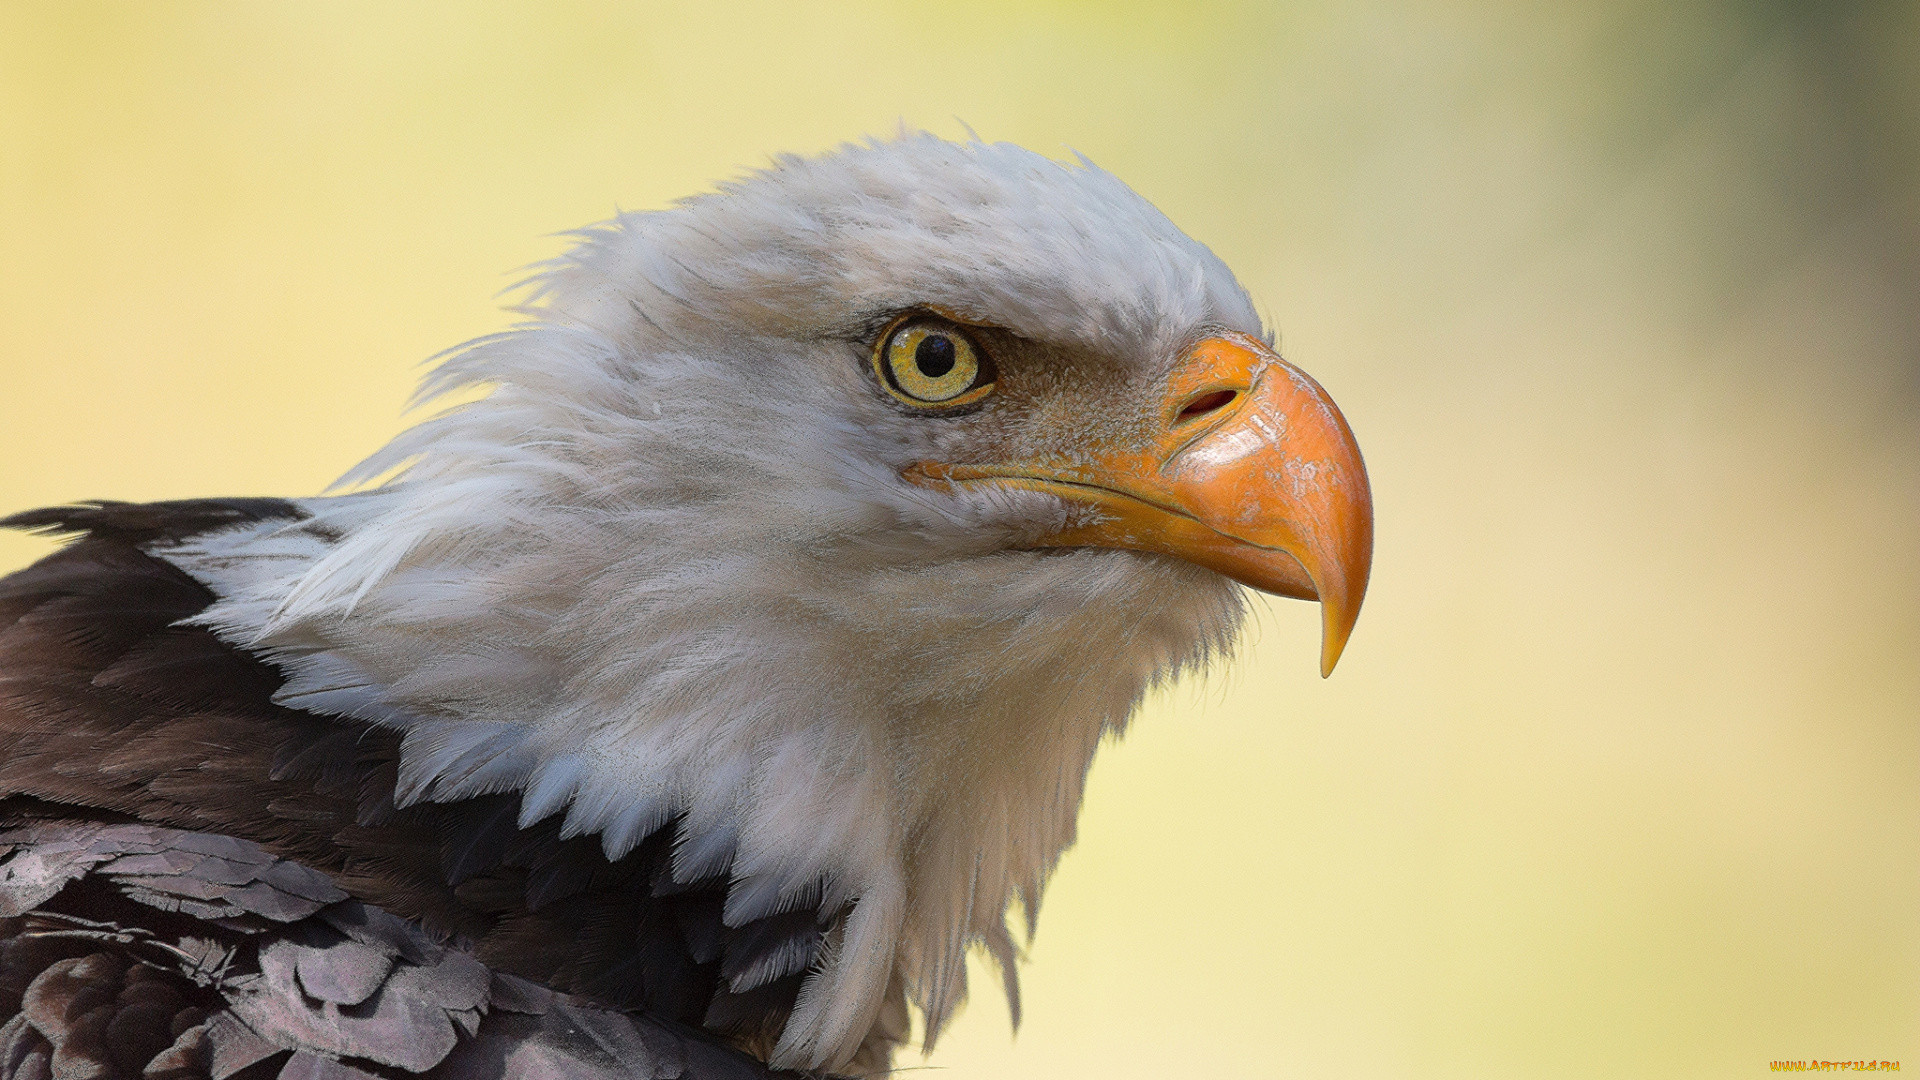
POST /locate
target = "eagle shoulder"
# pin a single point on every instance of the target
(115, 713)
(134, 950)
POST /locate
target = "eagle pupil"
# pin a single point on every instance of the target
(934, 355)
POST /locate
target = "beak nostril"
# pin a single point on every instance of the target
(1207, 403)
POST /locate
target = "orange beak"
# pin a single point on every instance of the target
(1252, 473)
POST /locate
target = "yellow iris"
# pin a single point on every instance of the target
(931, 362)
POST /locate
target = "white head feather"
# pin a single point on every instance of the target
(668, 567)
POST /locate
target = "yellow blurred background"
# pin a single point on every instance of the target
(1621, 773)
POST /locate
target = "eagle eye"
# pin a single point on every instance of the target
(931, 363)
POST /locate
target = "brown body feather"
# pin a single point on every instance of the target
(111, 712)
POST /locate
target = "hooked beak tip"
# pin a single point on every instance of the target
(1337, 619)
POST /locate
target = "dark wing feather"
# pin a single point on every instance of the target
(135, 950)
(146, 523)
(113, 714)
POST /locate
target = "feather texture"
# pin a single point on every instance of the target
(202, 957)
(111, 713)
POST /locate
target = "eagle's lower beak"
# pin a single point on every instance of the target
(1252, 472)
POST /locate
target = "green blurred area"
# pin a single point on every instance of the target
(1620, 774)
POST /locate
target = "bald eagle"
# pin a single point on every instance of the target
(691, 700)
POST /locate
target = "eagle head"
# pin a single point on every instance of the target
(830, 520)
